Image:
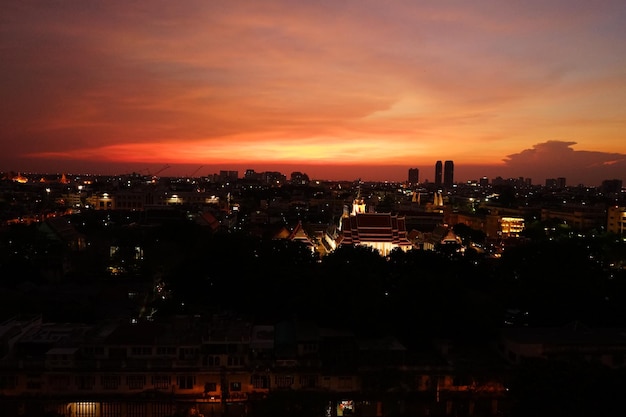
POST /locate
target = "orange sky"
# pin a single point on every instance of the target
(502, 88)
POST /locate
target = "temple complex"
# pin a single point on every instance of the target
(381, 231)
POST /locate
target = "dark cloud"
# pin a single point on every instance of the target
(555, 158)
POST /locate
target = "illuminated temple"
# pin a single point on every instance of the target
(381, 231)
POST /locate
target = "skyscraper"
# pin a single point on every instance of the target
(414, 175)
(448, 174)
(438, 172)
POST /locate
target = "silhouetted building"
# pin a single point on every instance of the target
(250, 174)
(208, 366)
(448, 174)
(578, 218)
(229, 176)
(572, 342)
(556, 182)
(273, 178)
(438, 172)
(611, 186)
(414, 175)
(299, 178)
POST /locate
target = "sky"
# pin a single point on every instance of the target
(336, 89)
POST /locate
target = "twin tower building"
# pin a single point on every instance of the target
(444, 174)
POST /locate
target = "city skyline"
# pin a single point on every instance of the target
(338, 91)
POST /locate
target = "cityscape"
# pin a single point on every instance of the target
(287, 208)
(266, 293)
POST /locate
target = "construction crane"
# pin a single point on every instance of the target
(195, 171)
(154, 175)
(163, 168)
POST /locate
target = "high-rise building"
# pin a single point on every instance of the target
(551, 183)
(438, 172)
(414, 175)
(555, 183)
(448, 174)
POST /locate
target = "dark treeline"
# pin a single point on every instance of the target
(433, 293)
(415, 296)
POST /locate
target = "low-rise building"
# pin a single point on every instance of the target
(574, 341)
(194, 366)
(616, 220)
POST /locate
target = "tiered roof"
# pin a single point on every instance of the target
(375, 227)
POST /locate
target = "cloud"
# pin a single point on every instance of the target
(556, 158)
(400, 83)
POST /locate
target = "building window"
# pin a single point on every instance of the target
(161, 381)
(213, 361)
(136, 381)
(308, 381)
(260, 381)
(59, 382)
(235, 361)
(93, 351)
(188, 353)
(345, 382)
(8, 381)
(166, 351)
(34, 384)
(210, 387)
(141, 351)
(86, 409)
(186, 381)
(136, 409)
(110, 381)
(163, 409)
(235, 386)
(111, 410)
(283, 381)
(85, 382)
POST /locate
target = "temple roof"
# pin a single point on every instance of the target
(375, 227)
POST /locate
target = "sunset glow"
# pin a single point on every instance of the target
(514, 89)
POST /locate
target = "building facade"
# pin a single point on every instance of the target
(414, 176)
(221, 366)
(616, 220)
(448, 174)
(438, 173)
